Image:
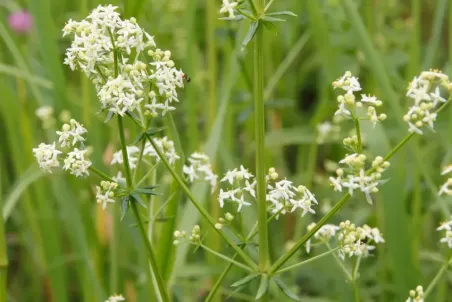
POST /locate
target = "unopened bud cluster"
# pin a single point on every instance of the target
(223, 221)
(199, 167)
(323, 235)
(355, 241)
(195, 237)
(425, 92)
(354, 176)
(416, 295)
(105, 193)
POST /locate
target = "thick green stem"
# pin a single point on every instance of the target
(198, 206)
(259, 130)
(151, 256)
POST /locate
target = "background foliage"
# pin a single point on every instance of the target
(60, 243)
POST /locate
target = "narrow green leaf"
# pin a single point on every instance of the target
(272, 19)
(282, 13)
(109, 116)
(134, 116)
(27, 178)
(235, 18)
(245, 280)
(137, 198)
(285, 289)
(250, 35)
(139, 138)
(263, 287)
(146, 191)
(154, 131)
(124, 206)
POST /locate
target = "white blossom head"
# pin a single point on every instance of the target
(47, 156)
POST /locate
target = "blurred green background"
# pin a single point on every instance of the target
(59, 242)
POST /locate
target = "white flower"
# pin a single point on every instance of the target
(228, 7)
(200, 167)
(44, 112)
(105, 194)
(71, 134)
(337, 183)
(166, 146)
(447, 170)
(446, 188)
(76, 163)
(47, 156)
(230, 176)
(115, 298)
(370, 100)
(426, 94)
(119, 95)
(348, 83)
(241, 203)
(327, 131)
(120, 179)
(132, 154)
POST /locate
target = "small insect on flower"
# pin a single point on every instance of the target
(186, 78)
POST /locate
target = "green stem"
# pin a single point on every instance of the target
(259, 130)
(437, 277)
(140, 159)
(358, 134)
(100, 174)
(253, 232)
(230, 260)
(198, 206)
(3, 255)
(354, 275)
(151, 256)
(125, 156)
(306, 261)
(148, 173)
(340, 263)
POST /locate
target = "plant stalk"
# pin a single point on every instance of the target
(259, 130)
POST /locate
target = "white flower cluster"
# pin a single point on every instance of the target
(355, 176)
(199, 167)
(71, 134)
(115, 298)
(105, 193)
(282, 196)
(324, 234)
(102, 47)
(133, 153)
(228, 7)
(446, 188)
(47, 156)
(416, 295)
(46, 115)
(327, 131)
(425, 92)
(75, 162)
(446, 226)
(355, 241)
(348, 105)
